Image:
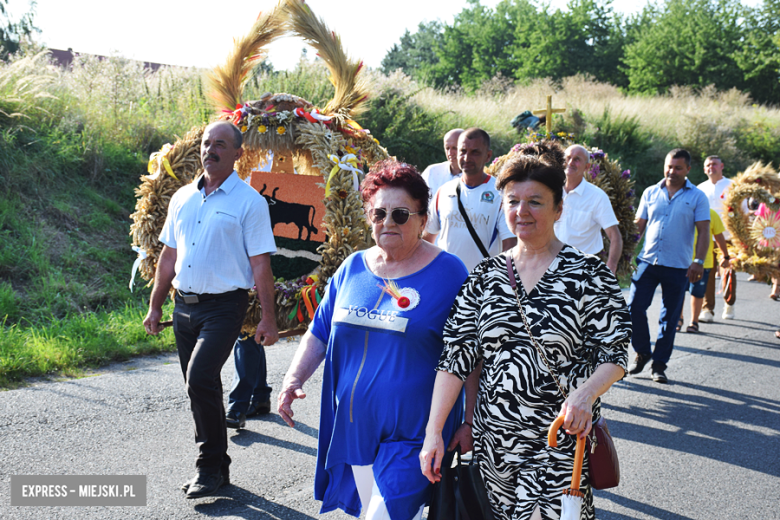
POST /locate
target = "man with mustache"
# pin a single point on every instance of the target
(473, 196)
(218, 241)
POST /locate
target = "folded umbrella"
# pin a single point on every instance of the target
(571, 502)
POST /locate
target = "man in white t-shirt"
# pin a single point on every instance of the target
(481, 202)
(715, 188)
(586, 211)
(437, 174)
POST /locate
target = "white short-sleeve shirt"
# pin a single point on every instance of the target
(436, 175)
(484, 207)
(716, 194)
(586, 211)
(214, 235)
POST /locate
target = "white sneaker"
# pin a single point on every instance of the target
(706, 316)
(728, 312)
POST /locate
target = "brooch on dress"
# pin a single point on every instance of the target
(404, 299)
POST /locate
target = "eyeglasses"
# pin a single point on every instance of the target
(400, 215)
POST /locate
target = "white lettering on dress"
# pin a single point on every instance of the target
(373, 319)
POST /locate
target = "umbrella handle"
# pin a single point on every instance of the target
(579, 453)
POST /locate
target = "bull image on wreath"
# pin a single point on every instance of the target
(326, 146)
(301, 215)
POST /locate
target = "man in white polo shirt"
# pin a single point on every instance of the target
(437, 174)
(480, 202)
(715, 188)
(586, 211)
(218, 242)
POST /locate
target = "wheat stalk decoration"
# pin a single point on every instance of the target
(226, 82)
(283, 124)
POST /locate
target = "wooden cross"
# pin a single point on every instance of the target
(548, 113)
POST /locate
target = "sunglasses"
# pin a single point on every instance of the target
(399, 215)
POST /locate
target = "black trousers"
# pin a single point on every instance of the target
(205, 333)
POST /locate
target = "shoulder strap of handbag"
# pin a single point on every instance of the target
(513, 283)
(468, 224)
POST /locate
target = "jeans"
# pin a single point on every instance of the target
(205, 333)
(673, 282)
(698, 289)
(249, 377)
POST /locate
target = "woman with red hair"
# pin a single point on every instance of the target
(379, 330)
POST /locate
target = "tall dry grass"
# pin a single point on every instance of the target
(116, 103)
(705, 122)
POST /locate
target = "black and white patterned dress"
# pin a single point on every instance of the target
(579, 316)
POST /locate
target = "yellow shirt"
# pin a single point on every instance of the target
(716, 228)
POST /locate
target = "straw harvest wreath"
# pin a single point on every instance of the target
(606, 174)
(755, 247)
(325, 142)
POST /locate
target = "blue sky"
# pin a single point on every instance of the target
(199, 33)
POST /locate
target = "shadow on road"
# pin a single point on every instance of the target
(235, 501)
(247, 438)
(731, 356)
(633, 505)
(720, 425)
(771, 342)
(299, 426)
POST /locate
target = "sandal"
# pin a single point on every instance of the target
(777, 334)
(693, 328)
(774, 296)
(680, 324)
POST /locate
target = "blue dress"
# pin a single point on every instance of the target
(380, 366)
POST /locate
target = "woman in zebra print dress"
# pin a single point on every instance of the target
(577, 314)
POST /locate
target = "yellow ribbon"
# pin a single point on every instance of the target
(161, 157)
(349, 163)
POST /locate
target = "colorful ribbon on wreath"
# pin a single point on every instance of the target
(350, 163)
(141, 257)
(312, 117)
(158, 158)
(310, 298)
(238, 114)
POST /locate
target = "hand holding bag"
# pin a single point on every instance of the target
(460, 494)
(604, 464)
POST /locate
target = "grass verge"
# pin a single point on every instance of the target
(67, 346)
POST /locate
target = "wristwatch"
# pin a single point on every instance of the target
(698, 261)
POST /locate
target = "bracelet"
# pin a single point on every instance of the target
(470, 425)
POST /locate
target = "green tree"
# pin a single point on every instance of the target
(759, 53)
(416, 54)
(11, 33)
(516, 40)
(466, 46)
(565, 43)
(686, 42)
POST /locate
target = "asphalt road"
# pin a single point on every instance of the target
(705, 446)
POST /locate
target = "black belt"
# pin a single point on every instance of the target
(192, 298)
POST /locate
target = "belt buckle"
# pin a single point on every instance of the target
(190, 299)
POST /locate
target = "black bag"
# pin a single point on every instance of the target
(460, 494)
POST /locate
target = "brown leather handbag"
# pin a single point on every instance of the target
(604, 464)
(602, 455)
